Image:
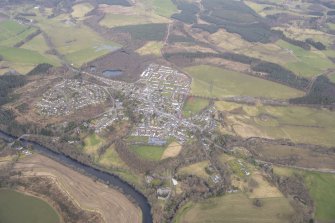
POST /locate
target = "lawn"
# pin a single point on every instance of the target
(194, 105)
(16, 207)
(217, 82)
(236, 208)
(149, 152)
(309, 63)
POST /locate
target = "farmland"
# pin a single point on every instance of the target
(217, 82)
(17, 207)
(87, 193)
(228, 209)
(299, 124)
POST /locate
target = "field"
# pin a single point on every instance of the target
(151, 48)
(87, 193)
(321, 187)
(149, 152)
(92, 144)
(217, 82)
(80, 44)
(17, 207)
(332, 78)
(80, 10)
(194, 105)
(299, 124)
(145, 32)
(111, 159)
(197, 169)
(229, 209)
(172, 150)
(309, 63)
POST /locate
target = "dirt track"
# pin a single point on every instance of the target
(90, 195)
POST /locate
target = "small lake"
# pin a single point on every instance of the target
(16, 207)
(112, 73)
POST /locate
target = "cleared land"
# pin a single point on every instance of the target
(17, 207)
(172, 150)
(90, 195)
(92, 144)
(299, 124)
(217, 82)
(197, 169)
(111, 159)
(151, 48)
(236, 208)
(194, 105)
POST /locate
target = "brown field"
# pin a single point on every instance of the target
(172, 150)
(262, 188)
(89, 195)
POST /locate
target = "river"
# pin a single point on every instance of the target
(106, 177)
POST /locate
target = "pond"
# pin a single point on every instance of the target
(16, 207)
(112, 73)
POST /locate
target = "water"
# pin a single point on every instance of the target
(112, 73)
(109, 178)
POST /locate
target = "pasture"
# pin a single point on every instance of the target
(16, 207)
(309, 63)
(212, 81)
(299, 124)
(229, 208)
(194, 105)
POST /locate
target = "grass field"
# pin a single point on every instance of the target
(92, 144)
(164, 8)
(194, 105)
(299, 124)
(172, 150)
(111, 159)
(217, 82)
(321, 188)
(309, 63)
(80, 10)
(236, 208)
(151, 48)
(16, 207)
(197, 169)
(149, 152)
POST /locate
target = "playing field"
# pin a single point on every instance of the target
(217, 82)
(149, 152)
(236, 208)
(17, 207)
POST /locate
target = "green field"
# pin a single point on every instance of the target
(235, 208)
(149, 152)
(217, 82)
(299, 124)
(321, 188)
(194, 105)
(309, 63)
(164, 8)
(92, 144)
(16, 207)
